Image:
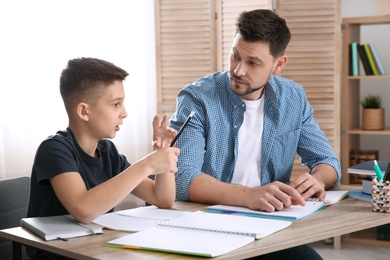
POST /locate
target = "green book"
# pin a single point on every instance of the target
(370, 59)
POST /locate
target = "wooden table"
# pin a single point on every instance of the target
(349, 215)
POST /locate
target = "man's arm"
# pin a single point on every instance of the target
(271, 197)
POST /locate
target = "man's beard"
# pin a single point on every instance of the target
(250, 89)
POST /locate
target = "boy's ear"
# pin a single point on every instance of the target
(82, 111)
(280, 63)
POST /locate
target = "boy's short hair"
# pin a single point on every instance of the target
(84, 78)
(264, 25)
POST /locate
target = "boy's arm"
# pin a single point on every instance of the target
(85, 205)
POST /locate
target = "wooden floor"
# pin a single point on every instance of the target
(350, 251)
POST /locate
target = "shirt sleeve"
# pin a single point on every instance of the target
(314, 147)
(191, 142)
(53, 158)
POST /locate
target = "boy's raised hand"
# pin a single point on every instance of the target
(162, 134)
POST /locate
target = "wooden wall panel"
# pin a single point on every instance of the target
(314, 60)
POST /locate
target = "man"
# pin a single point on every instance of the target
(239, 147)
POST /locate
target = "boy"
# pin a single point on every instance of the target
(78, 171)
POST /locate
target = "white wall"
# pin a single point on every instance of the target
(380, 36)
(38, 38)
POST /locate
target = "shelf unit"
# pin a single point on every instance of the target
(350, 111)
(350, 85)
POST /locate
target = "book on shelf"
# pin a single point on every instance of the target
(370, 59)
(364, 59)
(201, 234)
(354, 59)
(375, 63)
(294, 212)
(59, 227)
(377, 60)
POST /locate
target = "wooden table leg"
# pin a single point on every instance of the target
(337, 242)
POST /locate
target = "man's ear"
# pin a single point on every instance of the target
(82, 111)
(280, 63)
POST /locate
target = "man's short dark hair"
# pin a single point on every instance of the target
(264, 25)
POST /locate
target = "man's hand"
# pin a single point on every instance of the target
(274, 196)
(308, 186)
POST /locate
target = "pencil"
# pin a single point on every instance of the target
(182, 127)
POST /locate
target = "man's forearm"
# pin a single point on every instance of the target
(207, 189)
(326, 175)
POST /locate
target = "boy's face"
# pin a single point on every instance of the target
(108, 112)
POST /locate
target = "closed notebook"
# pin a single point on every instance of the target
(201, 234)
(59, 227)
(292, 213)
(367, 168)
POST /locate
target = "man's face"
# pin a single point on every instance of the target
(108, 112)
(251, 66)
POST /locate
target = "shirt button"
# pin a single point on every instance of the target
(235, 126)
(243, 105)
(235, 106)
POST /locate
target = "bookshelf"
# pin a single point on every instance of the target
(351, 129)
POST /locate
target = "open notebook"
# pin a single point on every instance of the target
(137, 219)
(201, 234)
(292, 213)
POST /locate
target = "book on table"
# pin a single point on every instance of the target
(294, 212)
(59, 227)
(367, 168)
(201, 234)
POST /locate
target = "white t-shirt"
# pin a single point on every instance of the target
(247, 168)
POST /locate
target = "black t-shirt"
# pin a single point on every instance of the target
(61, 153)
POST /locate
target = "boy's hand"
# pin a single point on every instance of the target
(162, 134)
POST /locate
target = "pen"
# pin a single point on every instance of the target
(378, 171)
(182, 127)
(387, 173)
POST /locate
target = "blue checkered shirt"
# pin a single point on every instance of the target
(209, 143)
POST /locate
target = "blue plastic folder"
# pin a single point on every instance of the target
(292, 213)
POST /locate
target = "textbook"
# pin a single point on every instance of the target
(59, 227)
(201, 234)
(294, 212)
(367, 168)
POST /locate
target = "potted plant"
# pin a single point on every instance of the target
(373, 117)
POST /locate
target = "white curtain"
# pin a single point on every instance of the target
(38, 38)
